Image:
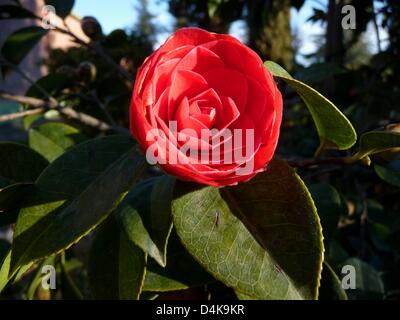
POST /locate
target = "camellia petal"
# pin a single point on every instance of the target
(216, 107)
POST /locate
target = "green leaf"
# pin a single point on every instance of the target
(19, 167)
(6, 276)
(52, 139)
(262, 238)
(19, 43)
(19, 163)
(145, 215)
(4, 248)
(390, 176)
(116, 266)
(11, 195)
(14, 12)
(63, 7)
(329, 206)
(242, 296)
(332, 125)
(4, 270)
(11, 198)
(182, 271)
(331, 286)
(37, 279)
(369, 284)
(69, 288)
(376, 142)
(73, 195)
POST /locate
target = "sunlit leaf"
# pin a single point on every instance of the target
(145, 215)
(73, 195)
(262, 238)
(332, 125)
(52, 139)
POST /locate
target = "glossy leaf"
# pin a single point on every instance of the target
(19, 43)
(331, 286)
(116, 266)
(376, 142)
(73, 195)
(6, 276)
(329, 206)
(332, 125)
(52, 139)
(11, 198)
(19, 168)
(390, 176)
(14, 12)
(262, 238)
(63, 7)
(4, 270)
(18, 163)
(145, 215)
(182, 271)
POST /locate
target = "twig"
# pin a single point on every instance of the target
(376, 28)
(32, 102)
(16, 115)
(103, 108)
(98, 49)
(87, 119)
(44, 105)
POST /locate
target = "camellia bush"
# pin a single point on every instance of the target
(170, 186)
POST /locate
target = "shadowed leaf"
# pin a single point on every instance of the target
(145, 215)
(332, 125)
(116, 266)
(73, 195)
(262, 238)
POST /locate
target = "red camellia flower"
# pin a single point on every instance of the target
(205, 109)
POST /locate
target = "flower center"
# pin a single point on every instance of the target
(202, 111)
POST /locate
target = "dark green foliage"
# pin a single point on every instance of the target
(80, 197)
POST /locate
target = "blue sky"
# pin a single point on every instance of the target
(122, 14)
(117, 13)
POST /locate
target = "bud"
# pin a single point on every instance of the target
(87, 71)
(91, 27)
